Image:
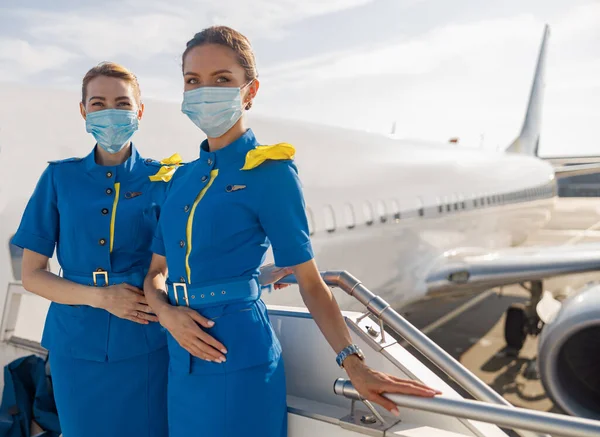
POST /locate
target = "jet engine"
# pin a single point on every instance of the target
(569, 354)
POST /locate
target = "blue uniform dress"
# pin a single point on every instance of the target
(109, 374)
(222, 212)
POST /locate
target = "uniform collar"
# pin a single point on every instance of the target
(121, 170)
(233, 154)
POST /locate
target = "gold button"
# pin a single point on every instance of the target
(109, 174)
(104, 211)
(212, 294)
(181, 243)
(204, 178)
(193, 297)
(109, 191)
(102, 242)
(209, 161)
(201, 296)
(186, 208)
(223, 292)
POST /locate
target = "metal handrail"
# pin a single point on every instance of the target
(428, 348)
(516, 418)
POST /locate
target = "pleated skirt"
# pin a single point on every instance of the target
(118, 399)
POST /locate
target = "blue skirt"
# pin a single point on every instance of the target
(247, 402)
(117, 399)
(246, 395)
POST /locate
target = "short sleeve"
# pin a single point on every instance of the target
(39, 226)
(158, 244)
(283, 216)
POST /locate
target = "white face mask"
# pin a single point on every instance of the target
(112, 128)
(214, 109)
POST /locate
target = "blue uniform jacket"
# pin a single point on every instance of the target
(100, 218)
(222, 213)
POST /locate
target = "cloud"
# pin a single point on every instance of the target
(19, 57)
(463, 80)
(142, 29)
(474, 43)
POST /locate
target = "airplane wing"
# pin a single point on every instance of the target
(465, 270)
(564, 171)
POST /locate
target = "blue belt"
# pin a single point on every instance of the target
(198, 296)
(104, 279)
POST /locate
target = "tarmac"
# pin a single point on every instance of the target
(471, 328)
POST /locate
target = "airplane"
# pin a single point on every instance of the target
(411, 221)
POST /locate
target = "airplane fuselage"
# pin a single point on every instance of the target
(382, 208)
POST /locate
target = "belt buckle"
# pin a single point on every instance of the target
(185, 292)
(95, 277)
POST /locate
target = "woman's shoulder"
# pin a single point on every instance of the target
(66, 167)
(271, 160)
(166, 169)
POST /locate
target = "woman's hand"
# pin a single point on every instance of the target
(182, 323)
(371, 384)
(127, 302)
(270, 273)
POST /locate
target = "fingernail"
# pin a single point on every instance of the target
(211, 323)
(224, 351)
(395, 412)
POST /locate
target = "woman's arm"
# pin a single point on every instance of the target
(38, 280)
(123, 300)
(182, 322)
(322, 305)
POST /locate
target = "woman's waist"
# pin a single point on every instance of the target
(218, 292)
(103, 278)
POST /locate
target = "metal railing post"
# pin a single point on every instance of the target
(515, 418)
(427, 347)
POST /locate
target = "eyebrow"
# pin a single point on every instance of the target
(191, 73)
(104, 98)
(221, 72)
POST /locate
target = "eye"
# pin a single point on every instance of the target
(98, 104)
(222, 79)
(192, 81)
(126, 104)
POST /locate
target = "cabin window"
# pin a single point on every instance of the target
(16, 256)
(329, 219)
(395, 208)
(311, 221)
(349, 216)
(381, 212)
(420, 207)
(368, 213)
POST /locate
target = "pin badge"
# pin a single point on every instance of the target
(230, 188)
(132, 194)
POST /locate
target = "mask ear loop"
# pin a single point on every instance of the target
(248, 104)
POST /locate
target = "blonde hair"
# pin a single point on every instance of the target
(111, 69)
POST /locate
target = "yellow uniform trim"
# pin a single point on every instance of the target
(114, 215)
(166, 172)
(260, 154)
(190, 223)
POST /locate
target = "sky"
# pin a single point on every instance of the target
(436, 69)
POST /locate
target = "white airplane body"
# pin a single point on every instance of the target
(391, 212)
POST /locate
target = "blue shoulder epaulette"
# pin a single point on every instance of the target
(61, 161)
(152, 162)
